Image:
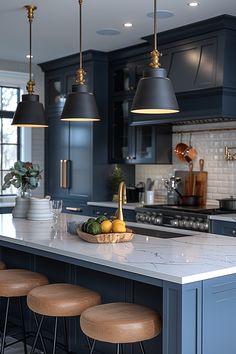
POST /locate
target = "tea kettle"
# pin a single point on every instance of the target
(171, 186)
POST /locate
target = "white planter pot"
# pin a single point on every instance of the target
(21, 208)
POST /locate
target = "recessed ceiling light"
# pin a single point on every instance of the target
(161, 14)
(28, 56)
(108, 31)
(128, 24)
(193, 3)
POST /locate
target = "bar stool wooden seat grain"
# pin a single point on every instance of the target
(120, 323)
(60, 300)
(2, 265)
(17, 283)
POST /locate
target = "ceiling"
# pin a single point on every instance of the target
(56, 27)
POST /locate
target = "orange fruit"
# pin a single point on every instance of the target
(106, 226)
(118, 226)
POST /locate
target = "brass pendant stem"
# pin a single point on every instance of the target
(80, 36)
(155, 54)
(30, 11)
(80, 76)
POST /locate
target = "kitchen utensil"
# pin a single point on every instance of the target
(180, 150)
(148, 184)
(190, 181)
(188, 200)
(227, 203)
(201, 183)
(190, 153)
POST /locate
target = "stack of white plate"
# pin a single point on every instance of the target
(39, 209)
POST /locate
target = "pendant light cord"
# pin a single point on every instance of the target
(30, 49)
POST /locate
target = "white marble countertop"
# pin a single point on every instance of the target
(180, 260)
(224, 217)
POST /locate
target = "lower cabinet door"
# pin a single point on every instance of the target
(227, 228)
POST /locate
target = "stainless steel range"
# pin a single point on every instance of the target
(189, 218)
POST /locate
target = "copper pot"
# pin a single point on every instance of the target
(190, 153)
(180, 151)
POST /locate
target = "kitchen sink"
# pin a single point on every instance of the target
(156, 233)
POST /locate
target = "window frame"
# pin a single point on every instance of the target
(3, 115)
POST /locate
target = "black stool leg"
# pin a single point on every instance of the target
(142, 347)
(40, 335)
(65, 334)
(37, 335)
(118, 348)
(88, 342)
(92, 347)
(55, 336)
(23, 324)
(5, 327)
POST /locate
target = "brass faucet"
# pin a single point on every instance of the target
(121, 200)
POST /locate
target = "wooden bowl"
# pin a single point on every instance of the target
(113, 237)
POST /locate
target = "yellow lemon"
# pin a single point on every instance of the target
(118, 226)
(106, 226)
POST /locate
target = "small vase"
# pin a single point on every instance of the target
(22, 203)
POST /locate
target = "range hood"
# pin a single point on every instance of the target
(200, 61)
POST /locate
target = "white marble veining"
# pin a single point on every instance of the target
(181, 260)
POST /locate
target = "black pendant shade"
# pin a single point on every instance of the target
(80, 106)
(30, 113)
(154, 94)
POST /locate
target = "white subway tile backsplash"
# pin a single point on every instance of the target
(210, 147)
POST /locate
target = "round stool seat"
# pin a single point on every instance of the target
(18, 282)
(61, 300)
(2, 265)
(120, 323)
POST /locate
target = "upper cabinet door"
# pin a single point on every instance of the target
(191, 66)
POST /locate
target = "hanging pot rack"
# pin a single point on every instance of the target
(204, 130)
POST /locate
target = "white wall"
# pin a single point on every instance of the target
(36, 137)
(210, 147)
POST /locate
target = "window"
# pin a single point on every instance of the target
(9, 136)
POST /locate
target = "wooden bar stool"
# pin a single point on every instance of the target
(120, 323)
(60, 300)
(2, 265)
(17, 283)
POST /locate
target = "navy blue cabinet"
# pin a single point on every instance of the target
(76, 162)
(129, 144)
(227, 228)
(95, 211)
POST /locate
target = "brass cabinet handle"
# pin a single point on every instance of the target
(64, 173)
(74, 209)
(61, 174)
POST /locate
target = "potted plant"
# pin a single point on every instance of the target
(25, 176)
(115, 178)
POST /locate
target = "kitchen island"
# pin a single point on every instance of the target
(190, 280)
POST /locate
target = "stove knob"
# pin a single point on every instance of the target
(158, 220)
(142, 217)
(174, 222)
(195, 225)
(181, 223)
(186, 223)
(138, 217)
(152, 219)
(203, 226)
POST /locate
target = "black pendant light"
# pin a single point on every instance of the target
(80, 105)
(155, 93)
(30, 112)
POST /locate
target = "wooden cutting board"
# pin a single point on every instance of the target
(201, 183)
